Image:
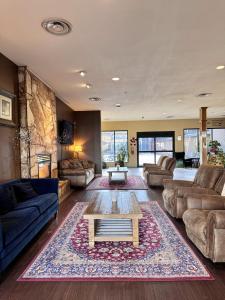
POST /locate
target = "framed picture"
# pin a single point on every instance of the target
(6, 108)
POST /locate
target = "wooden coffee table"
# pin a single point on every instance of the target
(121, 171)
(111, 220)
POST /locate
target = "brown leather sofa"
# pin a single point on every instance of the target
(79, 172)
(205, 224)
(208, 180)
(155, 176)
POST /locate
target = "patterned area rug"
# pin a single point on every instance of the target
(133, 183)
(163, 255)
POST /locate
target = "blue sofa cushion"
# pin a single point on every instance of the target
(7, 199)
(41, 202)
(16, 221)
(24, 191)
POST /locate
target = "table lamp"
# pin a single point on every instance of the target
(77, 149)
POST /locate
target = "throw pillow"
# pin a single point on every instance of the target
(24, 191)
(76, 164)
(7, 201)
(85, 164)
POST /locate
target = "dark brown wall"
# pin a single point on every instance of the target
(88, 134)
(64, 112)
(9, 156)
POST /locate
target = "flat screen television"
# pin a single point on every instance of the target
(66, 132)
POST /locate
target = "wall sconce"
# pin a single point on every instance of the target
(77, 149)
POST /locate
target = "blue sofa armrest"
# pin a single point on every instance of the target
(44, 185)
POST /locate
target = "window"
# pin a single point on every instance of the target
(151, 145)
(191, 140)
(112, 142)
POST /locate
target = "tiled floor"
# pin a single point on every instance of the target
(179, 173)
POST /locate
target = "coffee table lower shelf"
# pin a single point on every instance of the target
(113, 230)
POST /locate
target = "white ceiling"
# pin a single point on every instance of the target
(163, 50)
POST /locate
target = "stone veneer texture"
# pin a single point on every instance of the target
(37, 113)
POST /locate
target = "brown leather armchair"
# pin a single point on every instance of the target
(155, 176)
(208, 180)
(147, 166)
(205, 224)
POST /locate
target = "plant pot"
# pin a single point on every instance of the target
(121, 163)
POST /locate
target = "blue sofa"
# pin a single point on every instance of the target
(19, 226)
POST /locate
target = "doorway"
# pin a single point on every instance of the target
(151, 145)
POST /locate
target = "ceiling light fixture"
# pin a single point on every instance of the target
(88, 85)
(220, 67)
(83, 73)
(57, 26)
(164, 113)
(179, 100)
(95, 99)
(115, 79)
(118, 105)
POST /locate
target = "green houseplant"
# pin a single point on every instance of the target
(216, 155)
(122, 155)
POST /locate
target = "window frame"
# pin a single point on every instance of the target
(155, 134)
(198, 130)
(114, 144)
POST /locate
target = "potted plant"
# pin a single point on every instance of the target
(216, 155)
(122, 155)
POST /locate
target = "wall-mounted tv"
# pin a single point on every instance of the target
(66, 132)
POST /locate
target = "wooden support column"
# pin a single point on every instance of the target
(203, 135)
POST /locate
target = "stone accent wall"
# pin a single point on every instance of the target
(38, 123)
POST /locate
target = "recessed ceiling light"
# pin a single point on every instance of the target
(115, 78)
(88, 85)
(164, 113)
(57, 26)
(83, 73)
(179, 100)
(118, 105)
(220, 67)
(95, 99)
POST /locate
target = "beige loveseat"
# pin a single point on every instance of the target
(208, 180)
(155, 175)
(79, 172)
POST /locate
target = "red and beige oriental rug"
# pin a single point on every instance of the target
(102, 183)
(163, 255)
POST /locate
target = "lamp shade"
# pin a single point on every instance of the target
(78, 148)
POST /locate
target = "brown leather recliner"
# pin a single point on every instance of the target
(156, 176)
(208, 180)
(147, 166)
(205, 224)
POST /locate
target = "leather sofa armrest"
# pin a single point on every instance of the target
(145, 165)
(202, 201)
(171, 184)
(186, 191)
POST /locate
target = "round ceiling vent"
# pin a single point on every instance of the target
(204, 94)
(57, 26)
(95, 99)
